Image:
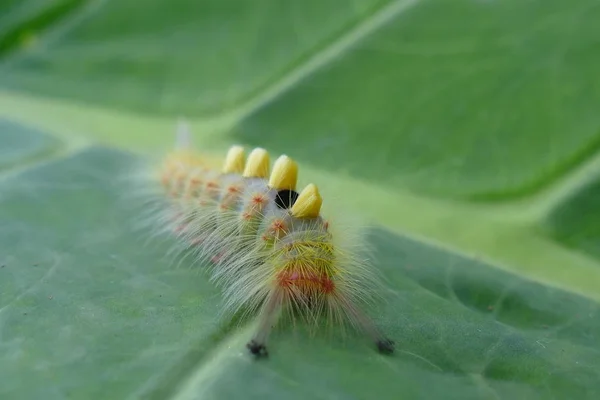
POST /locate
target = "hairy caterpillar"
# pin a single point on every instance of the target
(270, 250)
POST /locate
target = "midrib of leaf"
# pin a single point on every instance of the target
(64, 148)
(316, 61)
(485, 387)
(197, 383)
(47, 156)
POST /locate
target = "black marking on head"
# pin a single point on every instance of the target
(257, 349)
(385, 346)
(285, 198)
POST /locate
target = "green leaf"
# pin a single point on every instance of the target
(225, 48)
(463, 104)
(465, 130)
(576, 221)
(21, 145)
(89, 311)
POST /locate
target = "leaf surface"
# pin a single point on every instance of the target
(465, 130)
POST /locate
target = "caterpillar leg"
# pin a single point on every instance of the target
(257, 349)
(384, 344)
(268, 317)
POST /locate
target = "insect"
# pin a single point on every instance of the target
(270, 249)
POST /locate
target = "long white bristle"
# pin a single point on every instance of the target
(183, 136)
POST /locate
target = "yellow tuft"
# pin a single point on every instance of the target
(284, 174)
(308, 204)
(234, 162)
(183, 159)
(257, 165)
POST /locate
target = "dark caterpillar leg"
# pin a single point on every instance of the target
(257, 349)
(268, 317)
(385, 346)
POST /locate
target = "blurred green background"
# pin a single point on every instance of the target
(465, 131)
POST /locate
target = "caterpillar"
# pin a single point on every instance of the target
(267, 246)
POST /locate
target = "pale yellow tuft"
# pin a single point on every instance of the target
(284, 174)
(183, 158)
(308, 204)
(257, 165)
(235, 160)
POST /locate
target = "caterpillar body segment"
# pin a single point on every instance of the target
(298, 268)
(159, 193)
(270, 249)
